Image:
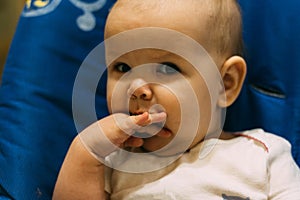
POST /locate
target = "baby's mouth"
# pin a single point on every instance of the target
(142, 135)
(155, 130)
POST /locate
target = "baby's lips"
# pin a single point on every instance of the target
(164, 133)
(153, 126)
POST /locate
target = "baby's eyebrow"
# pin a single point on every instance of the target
(161, 54)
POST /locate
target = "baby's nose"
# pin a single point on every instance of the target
(139, 89)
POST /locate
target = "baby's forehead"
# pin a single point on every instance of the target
(180, 16)
(146, 56)
(160, 7)
(216, 24)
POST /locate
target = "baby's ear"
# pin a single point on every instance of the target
(233, 73)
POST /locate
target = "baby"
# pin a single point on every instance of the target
(166, 95)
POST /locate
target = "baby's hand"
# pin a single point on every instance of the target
(119, 128)
(109, 133)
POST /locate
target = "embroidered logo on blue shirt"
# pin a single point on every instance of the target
(86, 22)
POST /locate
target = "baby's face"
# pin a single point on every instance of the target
(156, 80)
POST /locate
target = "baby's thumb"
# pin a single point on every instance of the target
(132, 123)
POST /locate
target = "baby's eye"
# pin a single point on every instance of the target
(168, 68)
(122, 67)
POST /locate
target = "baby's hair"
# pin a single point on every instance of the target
(223, 21)
(225, 26)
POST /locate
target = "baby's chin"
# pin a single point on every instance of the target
(167, 146)
(151, 145)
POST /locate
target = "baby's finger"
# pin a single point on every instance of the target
(142, 119)
(147, 131)
(133, 142)
(132, 123)
(140, 122)
(147, 119)
(151, 130)
(158, 117)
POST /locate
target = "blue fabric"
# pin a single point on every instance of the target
(51, 41)
(4, 198)
(4, 195)
(36, 127)
(271, 96)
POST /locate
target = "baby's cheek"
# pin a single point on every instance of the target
(171, 104)
(116, 96)
(108, 100)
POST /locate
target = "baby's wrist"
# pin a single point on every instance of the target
(96, 143)
(81, 156)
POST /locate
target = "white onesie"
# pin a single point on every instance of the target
(258, 166)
